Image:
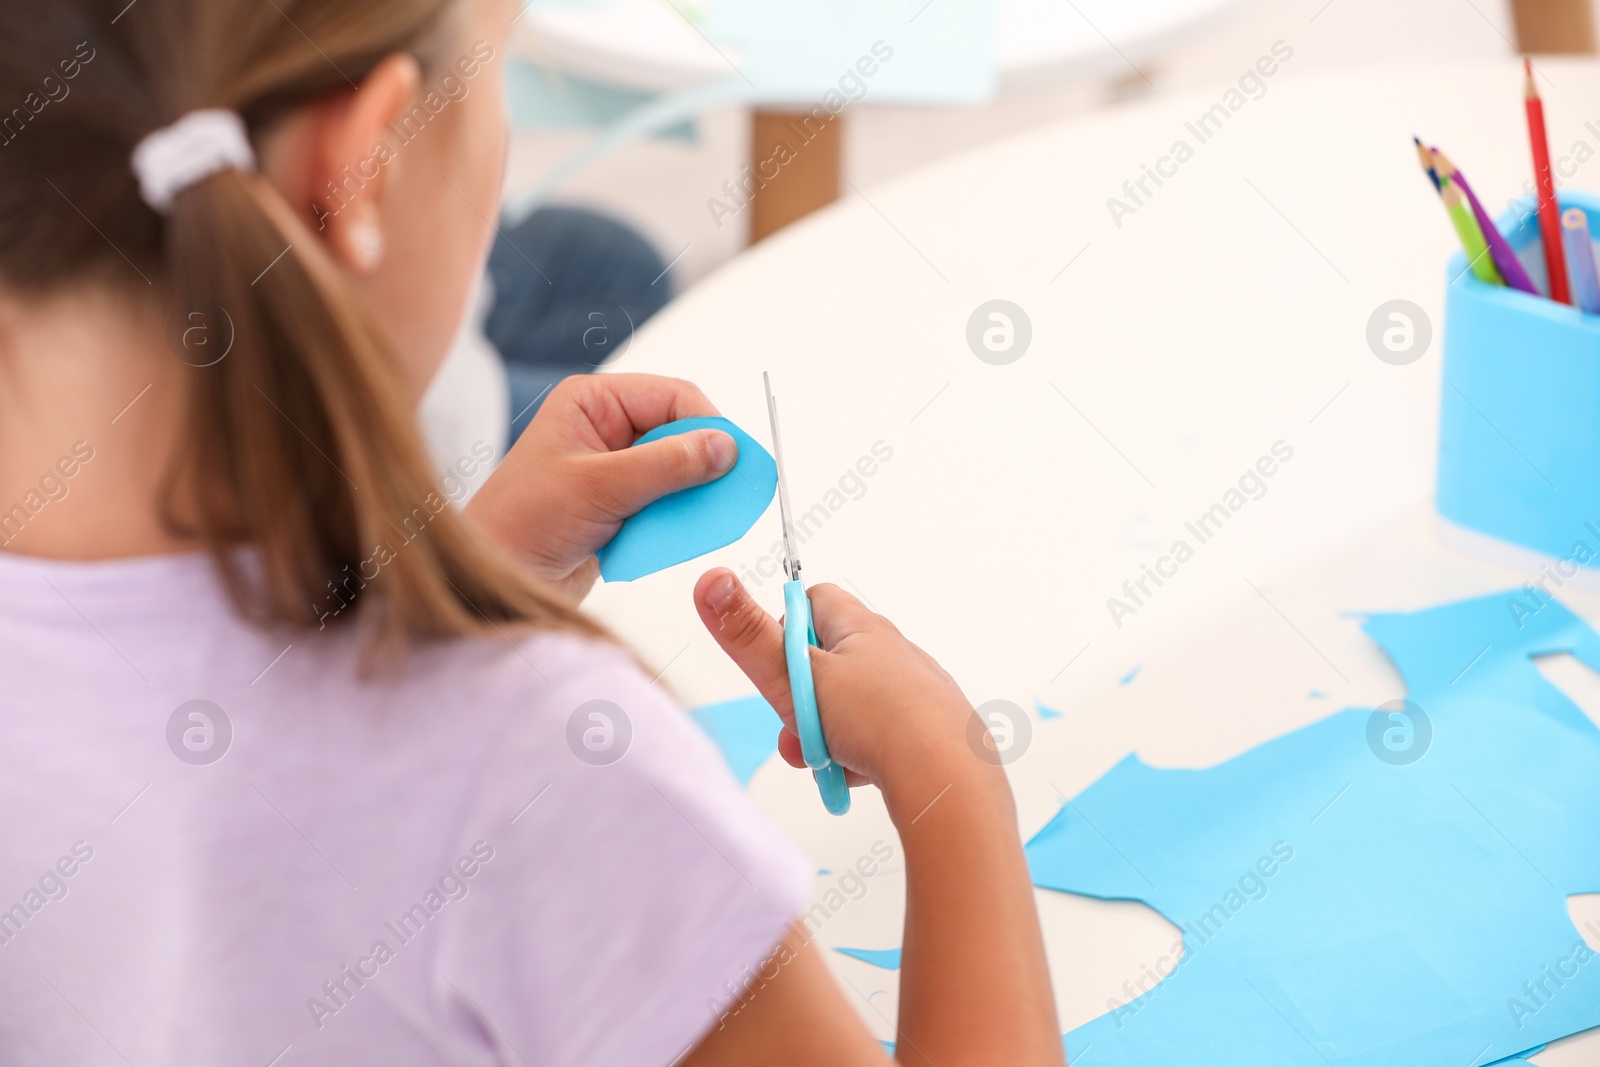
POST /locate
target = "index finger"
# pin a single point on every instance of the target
(622, 407)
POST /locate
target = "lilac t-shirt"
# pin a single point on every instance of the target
(222, 846)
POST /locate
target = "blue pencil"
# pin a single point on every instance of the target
(1580, 259)
(1427, 165)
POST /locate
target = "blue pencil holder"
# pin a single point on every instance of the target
(1519, 420)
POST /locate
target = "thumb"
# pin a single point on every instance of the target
(635, 477)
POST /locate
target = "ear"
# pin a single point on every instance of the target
(339, 157)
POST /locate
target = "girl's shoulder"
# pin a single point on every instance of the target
(632, 888)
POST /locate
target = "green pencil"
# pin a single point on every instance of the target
(1472, 240)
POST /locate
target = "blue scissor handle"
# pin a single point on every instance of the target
(798, 637)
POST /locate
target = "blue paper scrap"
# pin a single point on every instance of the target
(1383, 886)
(745, 729)
(688, 524)
(1046, 714)
(1128, 678)
(887, 958)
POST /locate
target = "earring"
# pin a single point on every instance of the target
(367, 242)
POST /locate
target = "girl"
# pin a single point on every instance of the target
(297, 763)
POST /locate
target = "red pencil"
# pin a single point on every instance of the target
(1549, 214)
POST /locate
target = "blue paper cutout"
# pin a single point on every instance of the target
(745, 729)
(1344, 903)
(690, 523)
(1046, 714)
(1317, 694)
(1131, 675)
(887, 958)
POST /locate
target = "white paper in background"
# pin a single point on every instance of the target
(943, 50)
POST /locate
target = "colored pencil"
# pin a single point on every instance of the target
(1544, 177)
(1427, 164)
(1477, 249)
(1580, 257)
(1505, 260)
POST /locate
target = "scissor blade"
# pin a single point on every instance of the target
(791, 560)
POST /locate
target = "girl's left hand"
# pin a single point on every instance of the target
(572, 478)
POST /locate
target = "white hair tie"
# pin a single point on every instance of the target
(188, 152)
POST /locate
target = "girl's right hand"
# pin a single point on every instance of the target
(892, 716)
(974, 983)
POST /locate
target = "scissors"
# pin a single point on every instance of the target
(799, 636)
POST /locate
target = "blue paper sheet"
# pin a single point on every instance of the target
(745, 729)
(690, 523)
(887, 958)
(1341, 907)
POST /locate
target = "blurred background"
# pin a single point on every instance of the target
(586, 68)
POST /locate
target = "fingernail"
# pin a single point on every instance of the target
(723, 452)
(721, 593)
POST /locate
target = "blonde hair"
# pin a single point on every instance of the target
(301, 442)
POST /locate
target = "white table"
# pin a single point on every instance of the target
(1228, 313)
(647, 45)
(653, 46)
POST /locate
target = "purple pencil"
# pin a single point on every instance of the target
(1499, 249)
